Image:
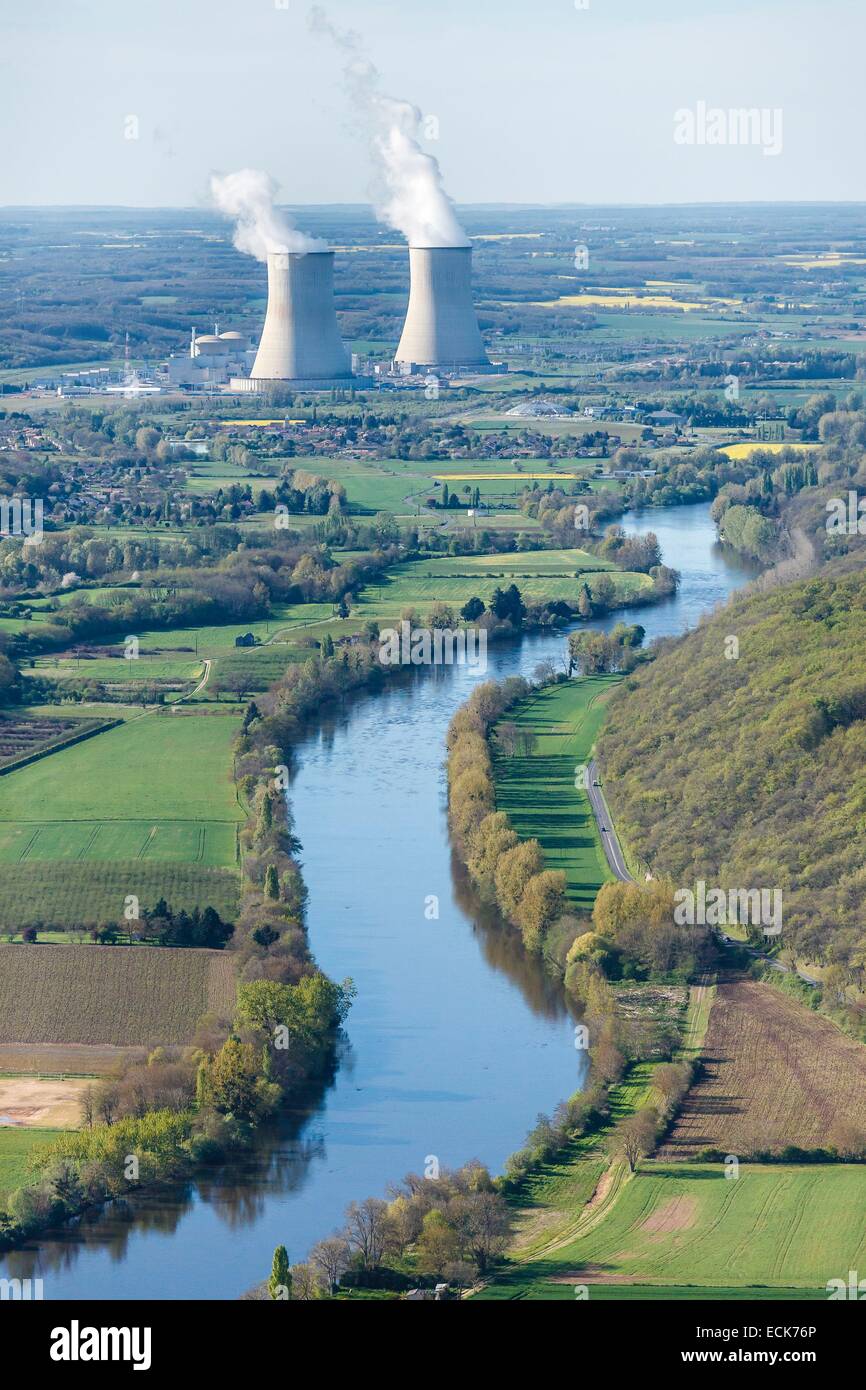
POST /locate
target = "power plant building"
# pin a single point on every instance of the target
(441, 329)
(301, 344)
(213, 359)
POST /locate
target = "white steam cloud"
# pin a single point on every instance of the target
(247, 196)
(409, 194)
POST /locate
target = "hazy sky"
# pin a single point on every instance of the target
(537, 100)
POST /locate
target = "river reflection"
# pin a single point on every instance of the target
(457, 1039)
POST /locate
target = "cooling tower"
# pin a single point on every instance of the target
(300, 339)
(441, 329)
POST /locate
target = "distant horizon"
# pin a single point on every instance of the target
(469, 207)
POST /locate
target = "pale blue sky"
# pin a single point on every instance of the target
(537, 101)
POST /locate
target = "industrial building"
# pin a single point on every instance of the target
(300, 344)
(441, 328)
(213, 359)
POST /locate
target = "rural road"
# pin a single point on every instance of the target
(612, 846)
(775, 964)
(616, 860)
(201, 685)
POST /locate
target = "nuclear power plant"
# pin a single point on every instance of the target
(301, 347)
(300, 343)
(441, 329)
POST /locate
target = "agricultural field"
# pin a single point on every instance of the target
(545, 575)
(167, 766)
(681, 1229)
(743, 451)
(148, 808)
(206, 476)
(788, 1227)
(648, 1293)
(23, 735)
(165, 842)
(79, 895)
(174, 673)
(125, 996)
(538, 789)
(574, 1190)
(403, 486)
(17, 1146)
(774, 1074)
(552, 426)
(66, 1060)
(634, 300)
(558, 1196)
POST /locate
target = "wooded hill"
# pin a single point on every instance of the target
(751, 772)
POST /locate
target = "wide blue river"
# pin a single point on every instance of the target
(456, 1040)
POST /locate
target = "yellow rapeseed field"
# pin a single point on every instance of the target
(742, 451)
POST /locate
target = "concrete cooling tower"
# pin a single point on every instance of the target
(441, 329)
(300, 340)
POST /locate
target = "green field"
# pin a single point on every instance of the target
(178, 651)
(148, 808)
(16, 1147)
(647, 1293)
(538, 791)
(72, 895)
(172, 766)
(402, 486)
(544, 575)
(117, 670)
(785, 1226)
(167, 842)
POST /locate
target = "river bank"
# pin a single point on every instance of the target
(457, 1038)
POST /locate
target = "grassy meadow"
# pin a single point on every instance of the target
(148, 808)
(167, 766)
(69, 895)
(17, 1145)
(547, 575)
(538, 790)
(791, 1227)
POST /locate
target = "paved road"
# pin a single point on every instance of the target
(616, 860)
(774, 964)
(612, 846)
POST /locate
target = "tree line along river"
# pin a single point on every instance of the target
(456, 1040)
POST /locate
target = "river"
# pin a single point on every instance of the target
(456, 1040)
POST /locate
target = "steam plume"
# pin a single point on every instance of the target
(409, 194)
(247, 196)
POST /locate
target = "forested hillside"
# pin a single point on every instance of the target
(749, 771)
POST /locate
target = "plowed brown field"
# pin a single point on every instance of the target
(122, 995)
(774, 1074)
